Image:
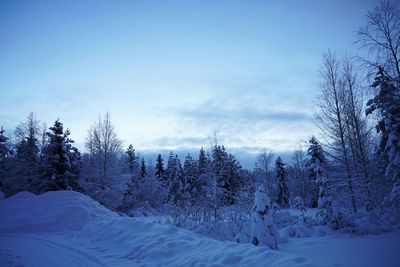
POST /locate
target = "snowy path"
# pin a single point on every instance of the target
(23, 250)
(349, 251)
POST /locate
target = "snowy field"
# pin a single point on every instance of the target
(66, 228)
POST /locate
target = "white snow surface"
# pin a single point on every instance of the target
(66, 228)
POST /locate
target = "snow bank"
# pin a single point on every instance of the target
(70, 229)
(52, 211)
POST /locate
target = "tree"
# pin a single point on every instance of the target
(61, 161)
(308, 192)
(357, 133)
(4, 154)
(193, 186)
(283, 192)
(160, 168)
(27, 156)
(381, 36)
(330, 118)
(174, 181)
(132, 162)
(264, 160)
(387, 103)
(103, 145)
(143, 171)
(317, 171)
(263, 229)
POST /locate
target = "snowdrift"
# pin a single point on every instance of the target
(70, 229)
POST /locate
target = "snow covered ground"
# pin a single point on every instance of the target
(70, 229)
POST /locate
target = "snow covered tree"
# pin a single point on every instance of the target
(387, 103)
(233, 180)
(131, 193)
(194, 189)
(331, 120)
(160, 168)
(299, 204)
(27, 157)
(103, 146)
(357, 132)
(263, 229)
(4, 154)
(60, 167)
(174, 181)
(318, 174)
(132, 160)
(283, 192)
(264, 161)
(143, 171)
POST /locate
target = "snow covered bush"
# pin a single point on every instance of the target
(263, 229)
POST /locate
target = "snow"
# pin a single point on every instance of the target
(66, 228)
(355, 251)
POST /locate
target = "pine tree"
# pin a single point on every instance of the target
(61, 164)
(318, 173)
(4, 154)
(203, 163)
(132, 161)
(173, 174)
(387, 103)
(283, 193)
(160, 168)
(143, 171)
(193, 186)
(27, 157)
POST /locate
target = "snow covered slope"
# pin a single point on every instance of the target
(70, 229)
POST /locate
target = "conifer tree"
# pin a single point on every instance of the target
(143, 171)
(317, 171)
(4, 153)
(132, 161)
(387, 103)
(283, 193)
(160, 168)
(61, 164)
(193, 186)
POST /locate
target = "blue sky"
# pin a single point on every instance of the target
(172, 72)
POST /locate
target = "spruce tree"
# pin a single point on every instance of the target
(27, 157)
(160, 168)
(202, 162)
(174, 180)
(193, 186)
(283, 193)
(61, 163)
(387, 103)
(143, 171)
(4, 153)
(317, 171)
(132, 162)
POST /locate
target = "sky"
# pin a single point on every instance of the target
(171, 73)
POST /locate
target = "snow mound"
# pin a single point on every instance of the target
(70, 229)
(52, 211)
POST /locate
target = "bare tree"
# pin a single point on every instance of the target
(356, 125)
(264, 161)
(330, 118)
(103, 145)
(381, 36)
